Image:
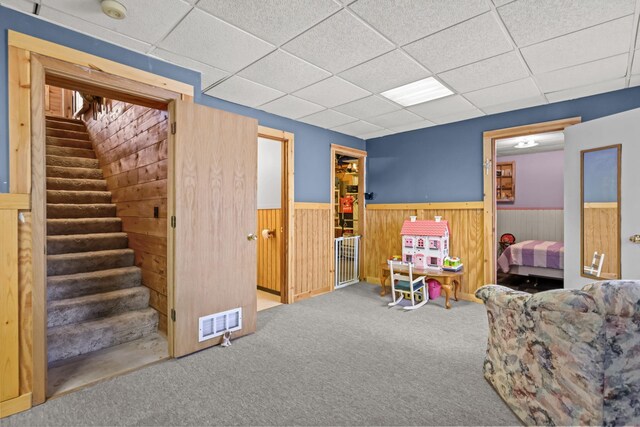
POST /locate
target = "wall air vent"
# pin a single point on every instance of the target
(217, 324)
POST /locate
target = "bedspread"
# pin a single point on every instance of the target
(533, 253)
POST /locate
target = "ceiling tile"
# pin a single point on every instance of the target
(93, 30)
(583, 46)
(376, 134)
(580, 92)
(413, 126)
(404, 21)
(209, 74)
(443, 106)
(22, 5)
(499, 3)
(368, 107)
(515, 105)
(388, 71)
(458, 117)
(331, 92)
(292, 107)
(357, 128)
(635, 69)
(328, 119)
(470, 41)
(531, 22)
(584, 74)
(275, 21)
(207, 39)
(489, 72)
(338, 43)
(284, 72)
(147, 20)
(508, 92)
(244, 92)
(395, 118)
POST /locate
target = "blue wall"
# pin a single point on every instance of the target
(444, 163)
(601, 176)
(312, 144)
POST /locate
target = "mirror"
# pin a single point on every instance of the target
(600, 212)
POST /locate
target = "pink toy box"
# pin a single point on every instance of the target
(434, 288)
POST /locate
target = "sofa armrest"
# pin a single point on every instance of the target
(616, 297)
(502, 296)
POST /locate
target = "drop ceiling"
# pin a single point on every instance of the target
(326, 62)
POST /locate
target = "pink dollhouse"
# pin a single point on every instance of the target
(425, 243)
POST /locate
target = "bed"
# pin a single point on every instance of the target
(533, 258)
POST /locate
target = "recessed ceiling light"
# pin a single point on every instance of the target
(113, 9)
(418, 92)
(526, 144)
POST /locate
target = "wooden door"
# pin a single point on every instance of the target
(214, 172)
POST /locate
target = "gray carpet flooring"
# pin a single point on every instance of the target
(339, 359)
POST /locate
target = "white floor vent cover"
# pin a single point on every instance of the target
(214, 325)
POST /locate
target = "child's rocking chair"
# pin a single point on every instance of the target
(407, 285)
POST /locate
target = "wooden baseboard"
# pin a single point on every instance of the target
(309, 294)
(15, 405)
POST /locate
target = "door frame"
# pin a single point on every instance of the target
(489, 179)
(287, 246)
(32, 62)
(361, 155)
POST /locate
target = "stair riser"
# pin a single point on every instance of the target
(73, 244)
(76, 184)
(72, 162)
(97, 225)
(73, 173)
(68, 142)
(84, 262)
(55, 150)
(65, 312)
(61, 133)
(80, 211)
(61, 287)
(77, 127)
(74, 340)
(78, 197)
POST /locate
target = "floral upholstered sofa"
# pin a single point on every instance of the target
(566, 357)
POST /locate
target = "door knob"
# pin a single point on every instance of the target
(251, 237)
(635, 238)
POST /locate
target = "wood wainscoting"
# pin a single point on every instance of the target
(269, 253)
(130, 142)
(16, 309)
(313, 250)
(466, 241)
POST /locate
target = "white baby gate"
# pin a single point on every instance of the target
(346, 261)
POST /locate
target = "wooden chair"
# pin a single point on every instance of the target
(596, 265)
(407, 284)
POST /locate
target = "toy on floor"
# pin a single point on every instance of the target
(425, 242)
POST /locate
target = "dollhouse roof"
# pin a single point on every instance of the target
(425, 227)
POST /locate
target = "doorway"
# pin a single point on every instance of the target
(490, 173)
(348, 214)
(274, 209)
(530, 211)
(106, 225)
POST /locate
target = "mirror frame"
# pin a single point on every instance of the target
(619, 203)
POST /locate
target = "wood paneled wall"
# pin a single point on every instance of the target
(313, 249)
(131, 144)
(466, 240)
(531, 224)
(269, 250)
(601, 234)
(16, 310)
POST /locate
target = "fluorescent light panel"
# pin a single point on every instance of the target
(417, 92)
